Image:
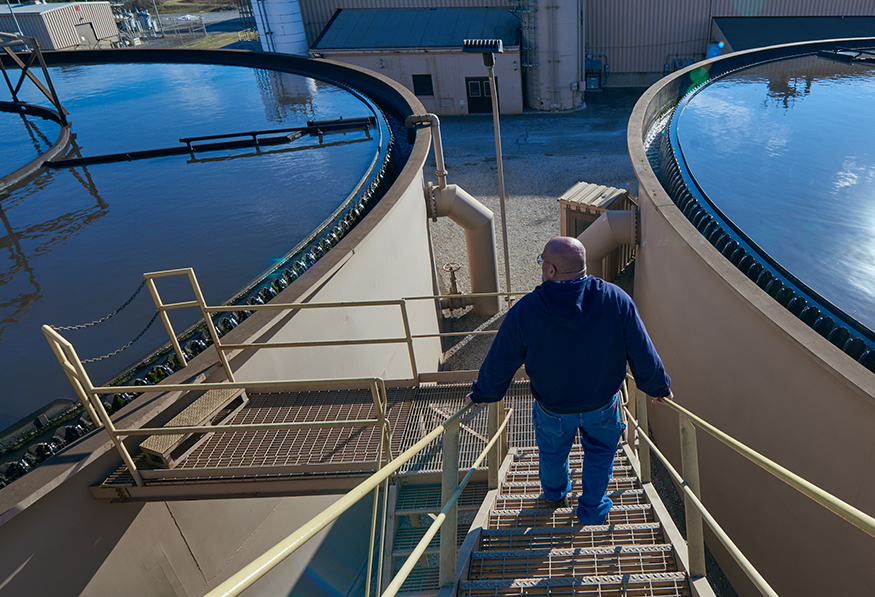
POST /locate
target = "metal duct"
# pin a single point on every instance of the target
(612, 229)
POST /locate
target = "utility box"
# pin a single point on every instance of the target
(593, 75)
(583, 204)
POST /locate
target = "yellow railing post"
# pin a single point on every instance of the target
(405, 318)
(643, 447)
(72, 365)
(65, 353)
(494, 458)
(165, 319)
(690, 470)
(202, 303)
(449, 483)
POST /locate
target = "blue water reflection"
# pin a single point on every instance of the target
(78, 240)
(786, 151)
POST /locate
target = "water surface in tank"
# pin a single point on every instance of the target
(786, 150)
(24, 138)
(77, 240)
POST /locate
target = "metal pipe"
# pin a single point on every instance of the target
(612, 229)
(478, 222)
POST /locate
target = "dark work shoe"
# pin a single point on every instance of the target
(560, 503)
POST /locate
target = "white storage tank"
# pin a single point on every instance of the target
(556, 74)
(280, 27)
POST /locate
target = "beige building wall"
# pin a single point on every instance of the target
(745, 364)
(448, 69)
(634, 38)
(638, 37)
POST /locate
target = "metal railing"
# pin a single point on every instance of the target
(696, 512)
(223, 348)
(451, 489)
(89, 395)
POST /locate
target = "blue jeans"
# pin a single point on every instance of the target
(600, 432)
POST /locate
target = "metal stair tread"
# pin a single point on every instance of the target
(614, 508)
(568, 530)
(625, 548)
(678, 579)
(424, 499)
(535, 496)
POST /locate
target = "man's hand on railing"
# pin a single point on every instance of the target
(661, 399)
(469, 400)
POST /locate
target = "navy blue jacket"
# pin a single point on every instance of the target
(575, 338)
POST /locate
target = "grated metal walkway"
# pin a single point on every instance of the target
(522, 547)
(304, 461)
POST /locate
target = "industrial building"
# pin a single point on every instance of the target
(62, 25)
(565, 48)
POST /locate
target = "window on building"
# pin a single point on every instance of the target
(422, 85)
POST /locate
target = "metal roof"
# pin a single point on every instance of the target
(745, 33)
(365, 29)
(39, 8)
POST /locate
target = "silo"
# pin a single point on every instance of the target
(553, 35)
(280, 27)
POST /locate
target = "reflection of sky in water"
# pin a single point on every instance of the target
(786, 151)
(77, 241)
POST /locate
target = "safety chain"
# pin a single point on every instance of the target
(88, 325)
(101, 320)
(115, 352)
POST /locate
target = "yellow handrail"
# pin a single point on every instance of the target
(856, 517)
(420, 548)
(267, 561)
(859, 519)
(733, 550)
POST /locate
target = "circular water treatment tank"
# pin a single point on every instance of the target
(774, 163)
(248, 212)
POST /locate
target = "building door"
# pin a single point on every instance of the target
(87, 37)
(479, 96)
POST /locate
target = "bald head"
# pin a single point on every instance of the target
(567, 256)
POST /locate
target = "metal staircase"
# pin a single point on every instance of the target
(527, 548)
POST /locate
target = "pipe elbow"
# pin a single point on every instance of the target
(612, 229)
(457, 204)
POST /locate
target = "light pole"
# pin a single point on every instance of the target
(14, 18)
(490, 47)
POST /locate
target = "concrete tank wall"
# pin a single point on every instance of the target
(745, 364)
(56, 539)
